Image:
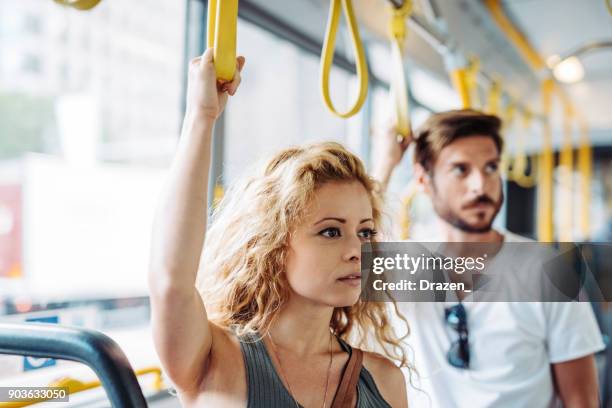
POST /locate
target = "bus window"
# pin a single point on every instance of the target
(280, 102)
(89, 116)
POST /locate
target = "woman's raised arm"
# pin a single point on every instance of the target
(181, 331)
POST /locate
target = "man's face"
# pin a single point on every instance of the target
(465, 185)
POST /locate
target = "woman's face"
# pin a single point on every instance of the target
(324, 258)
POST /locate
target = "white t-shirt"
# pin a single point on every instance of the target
(512, 345)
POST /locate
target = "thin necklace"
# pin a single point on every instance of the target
(284, 377)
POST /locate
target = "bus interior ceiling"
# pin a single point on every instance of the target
(469, 30)
(442, 35)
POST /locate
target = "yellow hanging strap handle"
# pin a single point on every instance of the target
(545, 175)
(566, 169)
(472, 82)
(460, 83)
(609, 5)
(464, 80)
(508, 115)
(585, 166)
(493, 107)
(494, 98)
(399, 89)
(405, 219)
(75, 386)
(327, 57)
(79, 4)
(519, 167)
(218, 194)
(221, 34)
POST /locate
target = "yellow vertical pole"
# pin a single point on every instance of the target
(545, 187)
(585, 165)
(566, 169)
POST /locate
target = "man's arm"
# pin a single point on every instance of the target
(576, 382)
(388, 153)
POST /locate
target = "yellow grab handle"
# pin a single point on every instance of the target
(218, 194)
(508, 119)
(327, 57)
(472, 82)
(399, 88)
(519, 167)
(494, 98)
(221, 35)
(531, 179)
(460, 83)
(399, 92)
(407, 200)
(79, 4)
(509, 114)
(464, 81)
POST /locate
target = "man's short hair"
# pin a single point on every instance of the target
(441, 129)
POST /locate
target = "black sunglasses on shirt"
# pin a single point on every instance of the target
(459, 353)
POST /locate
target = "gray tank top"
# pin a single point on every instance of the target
(266, 390)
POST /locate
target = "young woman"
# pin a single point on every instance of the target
(263, 316)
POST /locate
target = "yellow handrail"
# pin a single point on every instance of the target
(79, 4)
(566, 169)
(75, 386)
(529, 54)
(221, 35)
(399, 90)
(545, 175)
(327, 57)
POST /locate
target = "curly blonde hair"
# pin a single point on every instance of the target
(242, 279)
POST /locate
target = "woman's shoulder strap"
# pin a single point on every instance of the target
(350, 378)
